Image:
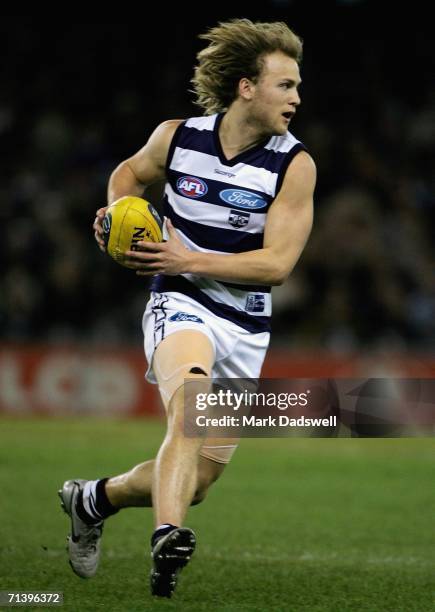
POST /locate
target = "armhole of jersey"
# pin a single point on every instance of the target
(286, 163)
(173, 145)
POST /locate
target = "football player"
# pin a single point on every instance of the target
(238, 204)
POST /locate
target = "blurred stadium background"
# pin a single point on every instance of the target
(77, 98)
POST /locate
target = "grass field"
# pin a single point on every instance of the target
(313, 525)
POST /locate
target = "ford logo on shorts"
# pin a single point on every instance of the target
(191, 186)
(185, 316)
(242, 198)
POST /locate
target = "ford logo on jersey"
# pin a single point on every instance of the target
(242, 198)
(191, 186)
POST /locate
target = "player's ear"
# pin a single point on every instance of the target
(246, 88)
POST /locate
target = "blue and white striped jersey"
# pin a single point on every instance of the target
(220, 206)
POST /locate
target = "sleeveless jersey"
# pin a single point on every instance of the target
(220, 206)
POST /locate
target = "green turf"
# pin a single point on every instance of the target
(313, 525)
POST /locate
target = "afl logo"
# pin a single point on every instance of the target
(242, 199)
(191, 187)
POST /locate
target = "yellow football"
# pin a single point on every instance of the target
(128, 221)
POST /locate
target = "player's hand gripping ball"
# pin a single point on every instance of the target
(128, 221)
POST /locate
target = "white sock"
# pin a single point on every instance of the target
(90, 498)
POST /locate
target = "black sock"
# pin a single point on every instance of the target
(83, 515)
(160, 532)
(101, 506)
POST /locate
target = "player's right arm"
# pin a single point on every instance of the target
(144, 168)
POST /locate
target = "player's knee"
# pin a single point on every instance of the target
(192, 382)
(201, 490)
(199, 496)
(208, 473)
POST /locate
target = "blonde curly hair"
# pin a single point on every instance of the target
(236, 49)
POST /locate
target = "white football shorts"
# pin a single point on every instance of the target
(238, 352)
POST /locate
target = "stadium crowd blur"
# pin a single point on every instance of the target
(79, 99)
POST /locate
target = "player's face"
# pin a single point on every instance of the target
(275, 95)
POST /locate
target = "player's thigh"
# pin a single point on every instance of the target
(185, 354)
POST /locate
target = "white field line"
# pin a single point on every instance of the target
(313, 557)
(306, 557)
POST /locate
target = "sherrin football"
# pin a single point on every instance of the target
(128, 221)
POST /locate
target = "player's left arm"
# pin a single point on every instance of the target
(288, 225)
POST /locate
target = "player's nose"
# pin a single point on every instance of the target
(295, 98)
